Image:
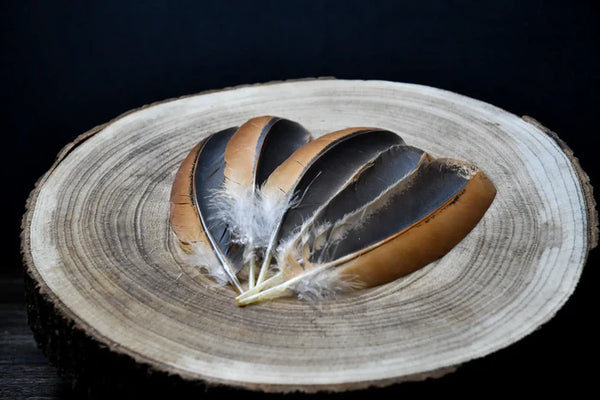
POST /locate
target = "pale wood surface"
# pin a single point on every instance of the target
(98, 244)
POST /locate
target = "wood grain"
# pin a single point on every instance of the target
(99, 249)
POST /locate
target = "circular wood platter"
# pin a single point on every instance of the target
(108, 283)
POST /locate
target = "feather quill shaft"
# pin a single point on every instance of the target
(315, 284)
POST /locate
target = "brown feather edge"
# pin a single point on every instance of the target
(584, 179)
(183, 216)
(240, 163)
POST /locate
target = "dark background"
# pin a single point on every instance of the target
(66, 67)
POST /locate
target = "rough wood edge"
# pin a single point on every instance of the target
(75, 348)
(584, 179)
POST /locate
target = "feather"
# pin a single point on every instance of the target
(192, 216)
(407, 225)
(385, 169)
(251, 155)
(314, 173)
(352, 209)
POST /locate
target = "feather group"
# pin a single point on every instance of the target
(274, 213)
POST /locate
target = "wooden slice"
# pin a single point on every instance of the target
(111, 294)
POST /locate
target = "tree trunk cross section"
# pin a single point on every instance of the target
(102, 261)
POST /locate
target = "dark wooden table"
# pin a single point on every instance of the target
(24, 371)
